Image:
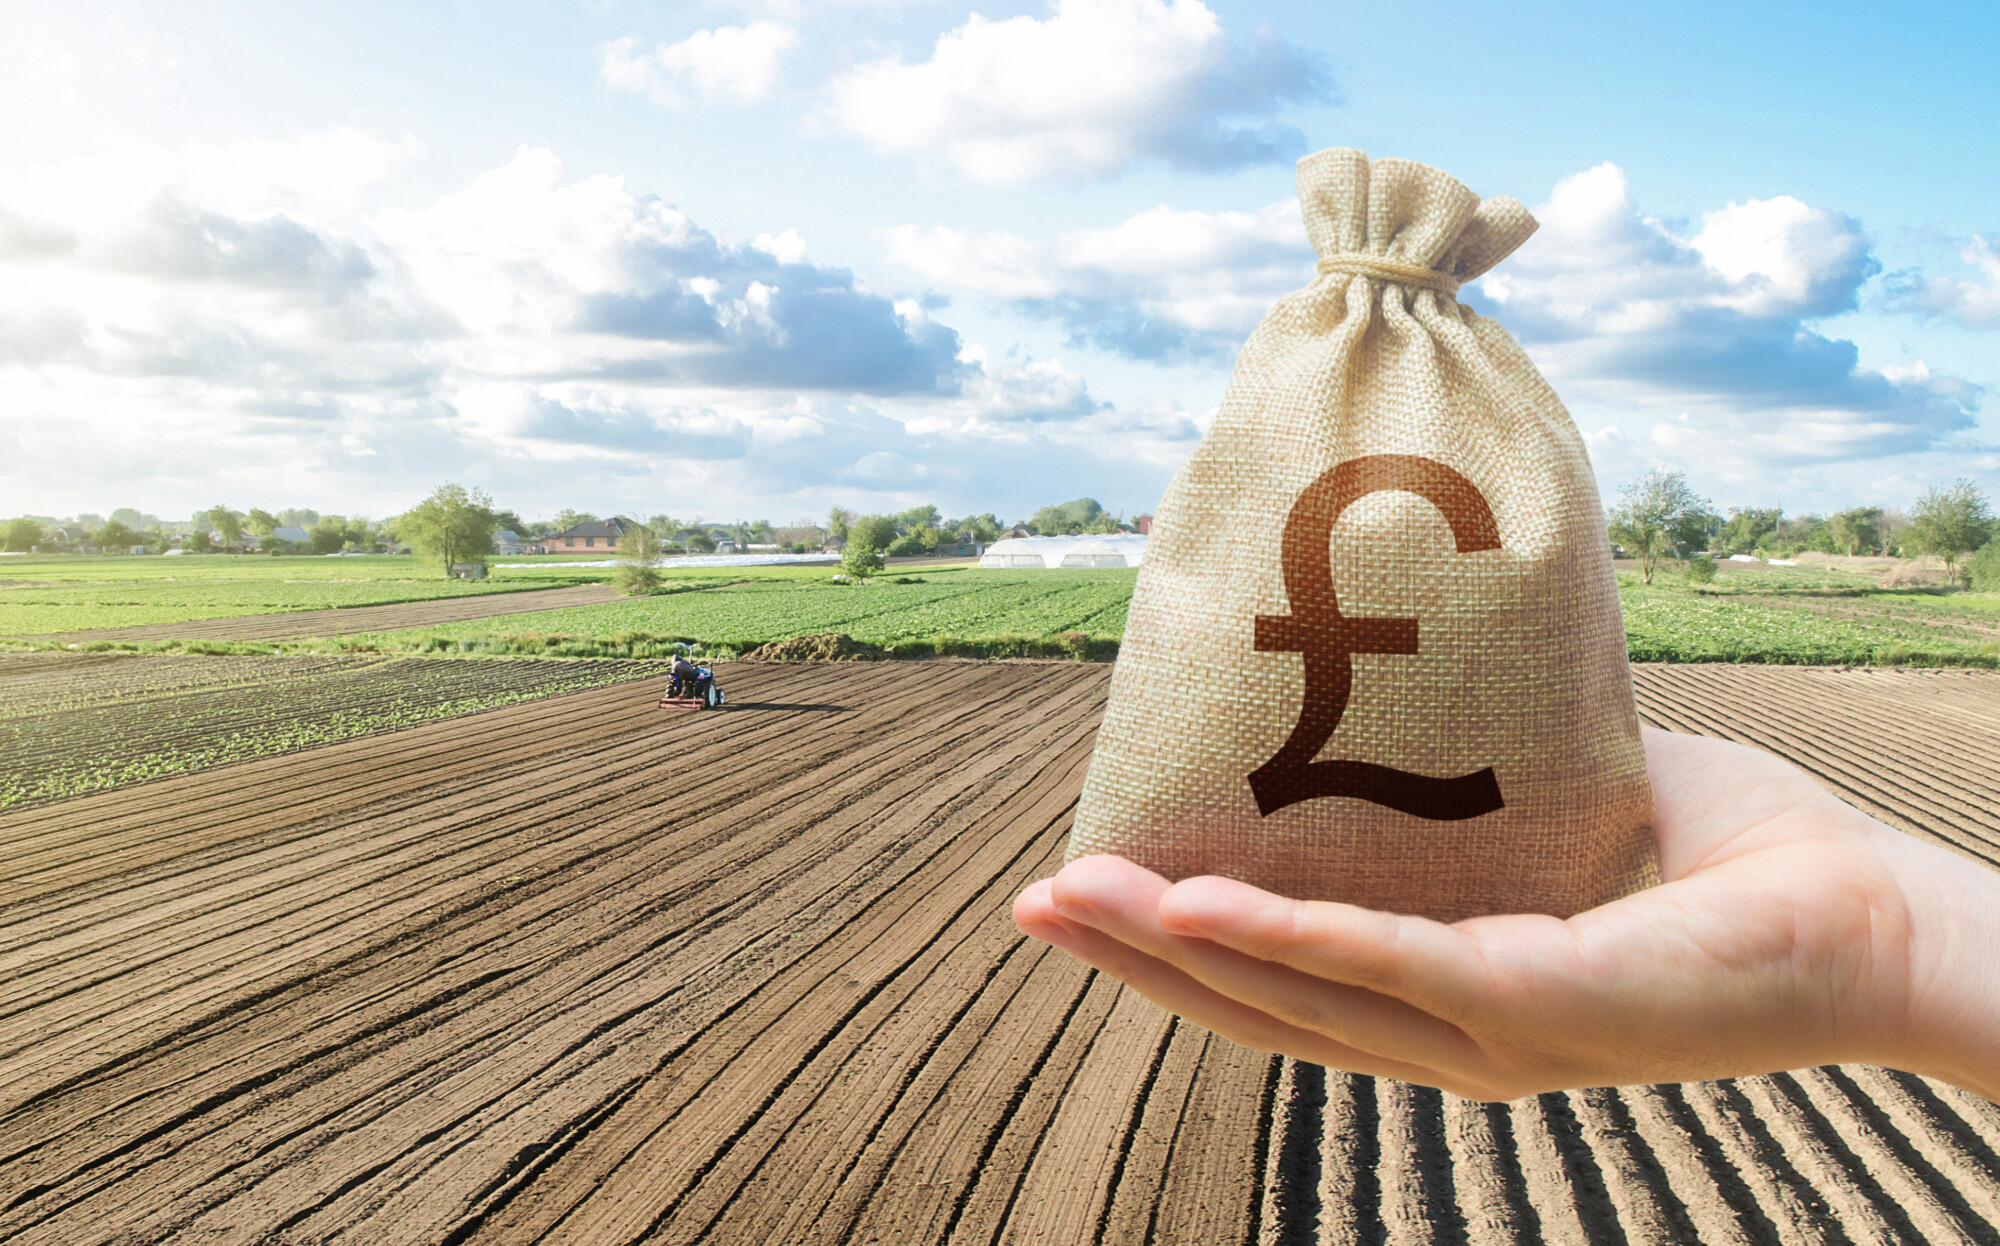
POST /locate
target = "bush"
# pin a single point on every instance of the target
(1701, 569)
(860, 561)
(1982, 570)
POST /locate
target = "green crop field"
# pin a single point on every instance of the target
(1750, 613)
(64, 594)
(952, 603)
(1662, 625)
(548, 568)
(1796, 619)
(72, 724)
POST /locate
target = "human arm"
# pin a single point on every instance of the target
(1791, 930)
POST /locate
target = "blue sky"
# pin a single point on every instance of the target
(745, 259)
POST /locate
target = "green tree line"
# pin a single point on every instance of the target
(1660, 516)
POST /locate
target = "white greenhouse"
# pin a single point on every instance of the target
(1049, 553)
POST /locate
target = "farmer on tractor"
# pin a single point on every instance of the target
(691, 687)
(687, 679)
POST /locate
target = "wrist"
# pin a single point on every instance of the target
(1953, 1027)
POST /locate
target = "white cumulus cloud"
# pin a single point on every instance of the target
(1162, 285)
(1708, 332)
(1975, 304)
(727, 65)
(191, 342)
(1084, 93)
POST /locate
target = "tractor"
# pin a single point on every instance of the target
(692, 687)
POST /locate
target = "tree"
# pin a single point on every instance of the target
(198, 541)
(116, 536)
(664, 526)
(221, 519)
(1653, 516)
(867, 538)
(872, 532)
(1066, 520)
(837, 521)
(697, 540)
(860, 561)
(1982, 570)
(925, 516)
(915, 542)
(453, 525)
(1856, 530)
(261, 523)
(1892, 528)
(1807, 532)
(508, 521)
(639, 550)
(567, 518)
(1747, 526)
(1951, 521)
(297, 517)
(23, 535)
(328, 535)
(131, 518)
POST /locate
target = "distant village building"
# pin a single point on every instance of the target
(290, 534)
(1144, 525)
(596, 534)
(508, 541)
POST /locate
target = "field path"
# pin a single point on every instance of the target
(582, 971)
(351, 620)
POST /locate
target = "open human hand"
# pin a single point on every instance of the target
(1790, 930)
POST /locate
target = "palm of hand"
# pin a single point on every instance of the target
(1780, 938)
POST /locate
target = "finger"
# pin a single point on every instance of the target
(1180, 994)
(1035, 906)
(1425, 964)
(1124, 901)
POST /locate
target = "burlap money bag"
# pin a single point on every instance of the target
(1375, 652)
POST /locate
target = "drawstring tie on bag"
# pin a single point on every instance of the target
(1415, 276)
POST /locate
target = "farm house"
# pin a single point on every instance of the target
(1050, 553)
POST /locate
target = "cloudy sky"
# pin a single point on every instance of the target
(756, 258)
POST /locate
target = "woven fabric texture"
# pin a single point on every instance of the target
(1375, 653)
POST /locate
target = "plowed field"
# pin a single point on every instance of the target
(352, 620)
(582, 971)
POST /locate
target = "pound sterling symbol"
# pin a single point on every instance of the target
(1317, 629)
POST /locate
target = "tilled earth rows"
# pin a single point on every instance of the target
(582, 971)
